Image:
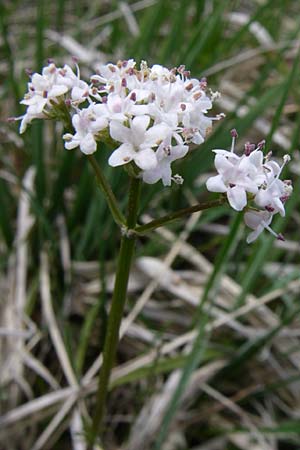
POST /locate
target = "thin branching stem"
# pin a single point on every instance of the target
(156, 223)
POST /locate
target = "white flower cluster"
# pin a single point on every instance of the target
(151, 114)
(48, 90)
(251, 178)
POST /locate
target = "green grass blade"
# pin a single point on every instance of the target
(174, 38)
(193, 360)
(5, 216)
(203, 37)
(287, 87)
(151, 21)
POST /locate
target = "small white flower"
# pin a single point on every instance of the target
(137, 142)
(270, 197)
(233, 179)
(80, 90)
(251, 173)
(116, 77)
(41, 91)
(27, 118)
(165, 154)
(258, 221)
(273, 192)
(117, 108)
(45, 89)
(87, 123)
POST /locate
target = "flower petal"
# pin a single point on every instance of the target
(57, 90)
(252, 219)
(226, 153)
(122, 155)
(88, 144)
(151, 176)
(256, 158)
(237, 198)
(139, 125)
(71, 144)
(145, 159)
(23, 125)
(254, 235)
(216, 184)
(166, 174)
(279, 206)
(156, 134)
(222, 164)
(79, 94)
(178, 151)
(120, 133)
(115, 103)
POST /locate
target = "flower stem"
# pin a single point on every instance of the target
(117, 307)
(156, 223)
(108, 193)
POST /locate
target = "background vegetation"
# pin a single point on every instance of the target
(195, 282)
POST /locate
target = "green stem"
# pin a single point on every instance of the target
(117, 307)
(108, 193)
(156, 223)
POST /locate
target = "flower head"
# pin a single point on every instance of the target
(150, 114)
(251, 178)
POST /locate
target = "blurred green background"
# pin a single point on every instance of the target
(249, 52)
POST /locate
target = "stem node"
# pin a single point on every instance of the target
(129, 233)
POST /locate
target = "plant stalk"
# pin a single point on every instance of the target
(156, 223)
(117, 308)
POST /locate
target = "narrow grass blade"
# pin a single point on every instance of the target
(203, 36)
(287, 87)
(151, 21)
(5, 216)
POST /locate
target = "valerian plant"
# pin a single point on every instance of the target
(150, 117)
